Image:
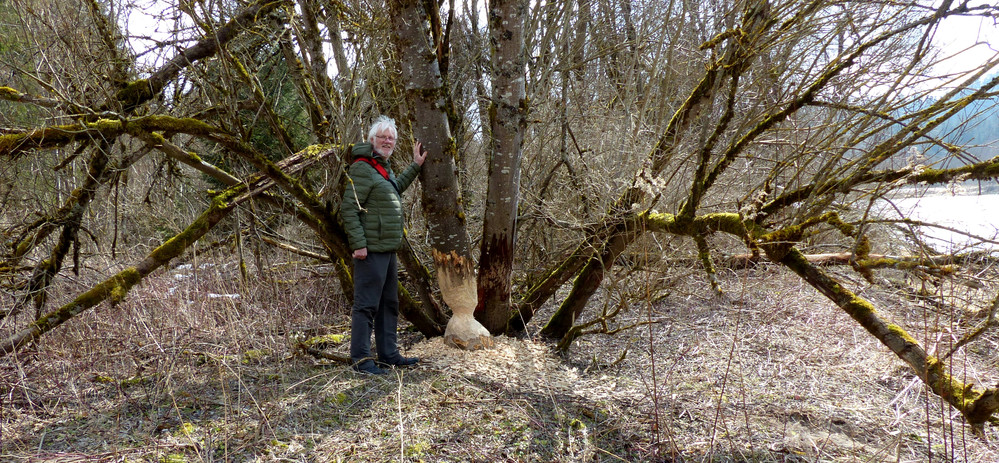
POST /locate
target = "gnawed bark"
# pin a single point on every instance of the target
(431, 305)
(456, 276)
(426, 97)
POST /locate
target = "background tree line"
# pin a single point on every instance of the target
(571, 144)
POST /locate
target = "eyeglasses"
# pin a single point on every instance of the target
(385, 137)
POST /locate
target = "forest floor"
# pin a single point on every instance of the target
(196, 367)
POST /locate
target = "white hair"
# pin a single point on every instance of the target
(382, 123)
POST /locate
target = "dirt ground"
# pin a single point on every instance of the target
(195, 367)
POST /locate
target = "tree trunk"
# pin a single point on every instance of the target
(425, 96)
(427, 101)
(976, 404)
(507, 124)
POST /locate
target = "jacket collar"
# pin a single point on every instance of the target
(367, 150)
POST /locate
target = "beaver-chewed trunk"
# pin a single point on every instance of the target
(457, 279)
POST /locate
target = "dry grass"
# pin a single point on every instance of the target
(771, 373)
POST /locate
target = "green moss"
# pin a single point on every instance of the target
(833, 219)
(135, 93)
(9, 142)
(186, 429)
(255, 355)
(417, 449)
(8, 93)
(320, 342)
(314, 151)
(125, 280)
(175, 124)
(173, 458)
(896, 330)
(863, 247)
(106, 125)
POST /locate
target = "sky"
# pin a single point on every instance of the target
(980, 37)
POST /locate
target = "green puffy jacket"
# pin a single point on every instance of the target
(372, 206)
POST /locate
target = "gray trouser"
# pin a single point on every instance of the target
(376, 306)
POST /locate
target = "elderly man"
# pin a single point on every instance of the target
(373, 218)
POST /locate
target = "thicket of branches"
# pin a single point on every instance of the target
(563, 137)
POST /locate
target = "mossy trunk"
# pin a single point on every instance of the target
(543, 290)
(976, 404)
(587, 282)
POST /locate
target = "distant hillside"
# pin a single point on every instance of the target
(976, 127)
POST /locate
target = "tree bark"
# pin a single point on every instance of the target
(427, 100)
(425, 96)
(508, 121)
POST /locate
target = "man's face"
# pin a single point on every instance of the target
(384, 143)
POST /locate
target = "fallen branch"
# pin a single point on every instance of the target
(321, 354)
(977, 404)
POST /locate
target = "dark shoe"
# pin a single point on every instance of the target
(402, 362)
(369, 368)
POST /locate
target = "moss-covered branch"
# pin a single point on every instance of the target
(157, 141)
(11, 94)
(975, 403)
(14, 145)
(116, 287)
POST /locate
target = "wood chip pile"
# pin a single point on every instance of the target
(524, 366)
